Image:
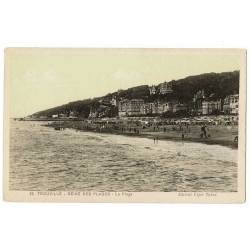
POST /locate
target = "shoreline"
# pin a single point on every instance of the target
(177, 139)
(152, 135)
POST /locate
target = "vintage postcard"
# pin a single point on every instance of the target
(125, 125)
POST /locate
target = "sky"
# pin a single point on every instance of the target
(38, 79)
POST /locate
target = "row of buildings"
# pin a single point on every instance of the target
(137, 107)
(201, 105)
(69, 115)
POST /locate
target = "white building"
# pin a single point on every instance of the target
(165, 88)
(198, 99)
(152, 90)
(211, 106)
(93, 113)
(159, 107)
(132, 107)
(231, 104)
(113, 101)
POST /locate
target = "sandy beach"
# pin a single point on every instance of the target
(215, 134)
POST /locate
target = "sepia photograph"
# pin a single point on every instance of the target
(125, 125)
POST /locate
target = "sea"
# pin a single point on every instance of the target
(45, 159)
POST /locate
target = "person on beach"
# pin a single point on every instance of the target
(157, 140)
(154, 140)
(203, 130)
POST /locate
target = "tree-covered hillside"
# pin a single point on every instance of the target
(219, 84)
